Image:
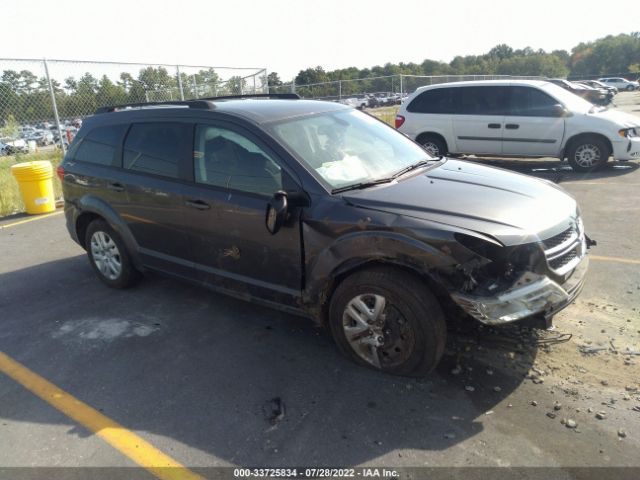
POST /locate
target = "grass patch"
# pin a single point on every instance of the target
(10, 198)
(386, 114)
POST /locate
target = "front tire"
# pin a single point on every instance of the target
(588, 154)
(388, 320)
(108, 255)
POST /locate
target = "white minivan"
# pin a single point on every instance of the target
(519, 118)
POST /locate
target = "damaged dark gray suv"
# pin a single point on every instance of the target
(318, 209)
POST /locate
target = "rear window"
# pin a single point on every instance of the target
(437, 100)
(157, 148)
(100, 145)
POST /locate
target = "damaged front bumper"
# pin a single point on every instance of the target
(532, 294)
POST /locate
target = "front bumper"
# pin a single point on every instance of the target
(629, 149)
(532, 295)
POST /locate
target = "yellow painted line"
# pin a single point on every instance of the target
(615, 259)
(127, 442)
(31, 219)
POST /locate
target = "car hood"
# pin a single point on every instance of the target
(625, 120)
(510, 207)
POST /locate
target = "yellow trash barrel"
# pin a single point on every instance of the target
(36, 185)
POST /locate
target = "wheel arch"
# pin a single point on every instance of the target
(431, 134)
(579, 136)
(92, 208)
(420, 260)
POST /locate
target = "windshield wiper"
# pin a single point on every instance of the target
(361, 185)
(416, 165)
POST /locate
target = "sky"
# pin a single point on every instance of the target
(287, 36)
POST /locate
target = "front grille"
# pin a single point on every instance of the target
(564, 250)
(558, 262)
(558, 239)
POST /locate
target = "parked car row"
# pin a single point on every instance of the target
(595, 95)
(522, 118)
(43, 134)
(374, 100)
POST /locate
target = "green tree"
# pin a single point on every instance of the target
(273, 79)
(11, 127)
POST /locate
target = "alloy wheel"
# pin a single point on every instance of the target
(587, 155)
(106, 255)
(377, 331)
(431, 148)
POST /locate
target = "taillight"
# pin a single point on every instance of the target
(399, 121)
(60, 172)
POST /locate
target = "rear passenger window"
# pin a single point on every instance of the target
(157, 148)
(531, 102)
(437, 100)
(487, 100)
(99, 146)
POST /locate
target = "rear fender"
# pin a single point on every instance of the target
(97, 206)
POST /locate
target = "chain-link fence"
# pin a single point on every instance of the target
(42, 102)
(399, 84)
(382, 91)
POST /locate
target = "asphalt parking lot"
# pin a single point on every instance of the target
(210, 381)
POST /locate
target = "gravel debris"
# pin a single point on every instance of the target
(571, 423)
(534, 403)
(622, 433)
(601, 415)
(469, 388)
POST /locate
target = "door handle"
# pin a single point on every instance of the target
(494, 125)
(512, 126)
(115, 186)
(198, 204)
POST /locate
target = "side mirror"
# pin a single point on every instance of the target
(276, 212)
(560, 110)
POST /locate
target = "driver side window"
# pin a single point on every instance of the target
(225, 158)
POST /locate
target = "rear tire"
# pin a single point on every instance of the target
(387, 319)
(588, 154)
(108, 256)
(434, 145)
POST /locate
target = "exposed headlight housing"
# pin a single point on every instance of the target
(515, 304)
(629, 132)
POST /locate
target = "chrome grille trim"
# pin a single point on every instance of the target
(565, 250)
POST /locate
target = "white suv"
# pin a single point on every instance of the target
(523, 118)
(620, 83)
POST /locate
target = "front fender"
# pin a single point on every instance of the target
(355, 249)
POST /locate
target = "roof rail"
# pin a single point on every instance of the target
(201, 104)
(289, 96)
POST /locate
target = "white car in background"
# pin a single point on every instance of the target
(523, 118)
(359, 102)
(9, 146)
(620, 83)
